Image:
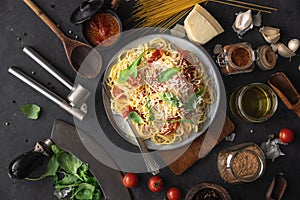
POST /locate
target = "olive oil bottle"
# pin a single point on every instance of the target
(255, 102)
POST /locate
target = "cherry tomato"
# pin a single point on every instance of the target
(130, 180)
(155, 184)
(286, 135)
(173, 193)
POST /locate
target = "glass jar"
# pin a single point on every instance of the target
(265, 58)
(255, 102)
(236, 58)
(242, 163)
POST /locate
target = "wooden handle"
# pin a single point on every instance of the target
(45, 18)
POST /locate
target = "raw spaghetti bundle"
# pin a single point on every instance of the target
(166, 13)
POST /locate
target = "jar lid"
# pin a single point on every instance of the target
(86, 10)
(265, 58)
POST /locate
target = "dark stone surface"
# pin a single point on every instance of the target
(17, 21)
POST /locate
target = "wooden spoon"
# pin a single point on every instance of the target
(85, 60)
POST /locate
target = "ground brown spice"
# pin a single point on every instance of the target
(240, 57)
(245, 164)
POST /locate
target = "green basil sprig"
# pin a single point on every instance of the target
(75, 175)
(167, 74)
(131, 70)
(170, 98)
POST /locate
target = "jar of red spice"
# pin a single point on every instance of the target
(242, 163)
(236, 58)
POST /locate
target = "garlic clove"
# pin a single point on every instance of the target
(275, 46)
(272, 39)
(268, 30)
(294, 44)
(270, 34)
(284, 51)
(243, 22)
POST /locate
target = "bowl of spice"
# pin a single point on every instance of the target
(101, 25)
(242, 163)
(207, 191)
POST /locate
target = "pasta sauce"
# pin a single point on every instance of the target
(102, 29)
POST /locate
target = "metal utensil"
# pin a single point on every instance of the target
(151, 165)
(84, 60)
(70, 138)
(77, 96)
(79, 114)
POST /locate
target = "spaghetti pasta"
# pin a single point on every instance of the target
(166, 87)
(164, 14)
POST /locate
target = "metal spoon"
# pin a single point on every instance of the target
(85, 60)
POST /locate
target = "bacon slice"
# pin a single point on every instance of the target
(116, 91)
(126, 111)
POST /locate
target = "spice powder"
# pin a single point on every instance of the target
(240, 57)
(240, 164)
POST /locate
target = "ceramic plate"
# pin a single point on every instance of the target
(121, 125)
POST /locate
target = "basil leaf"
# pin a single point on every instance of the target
(131, 70)
(69, 163)
(84, 191)
(68, 179)
(124, 75)
(52, 168)
(167, 74)
(56, 150)
(192, 101)
(170, 98)
(97, 195)
(135, 117)
(93, 181)
(31, 111)
(82, 171)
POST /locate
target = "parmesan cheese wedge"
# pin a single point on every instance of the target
(201, 26)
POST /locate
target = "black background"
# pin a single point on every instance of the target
(18, 21)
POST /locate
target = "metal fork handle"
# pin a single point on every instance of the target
(151, 164)
(47, 66)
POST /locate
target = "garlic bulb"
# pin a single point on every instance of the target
(243, 22)
(270, 34)
(294, 44)
(284, 51)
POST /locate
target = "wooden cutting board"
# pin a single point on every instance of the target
(196, 150)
